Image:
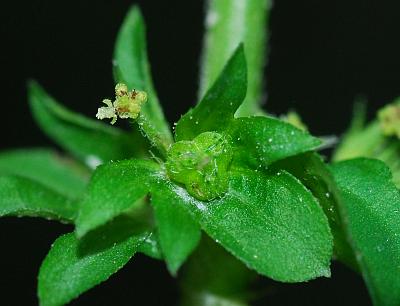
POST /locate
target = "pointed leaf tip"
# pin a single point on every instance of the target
(217, 108)
(131, 66)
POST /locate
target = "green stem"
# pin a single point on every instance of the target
(213, 277)
(196, 298)
(228, 23)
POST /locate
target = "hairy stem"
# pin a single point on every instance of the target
(229, 22)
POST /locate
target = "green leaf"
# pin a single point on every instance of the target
(216, 110)
(389, 153)
(132, 68)
(311, 170)
(119, 188)
(48, 168)
(371, 211)
(178, 233)
(74, 266)
(271, 222)
(91, 141)
(151, 247)
(114, 188)
(229, 23)
(264, 140)
(23, 197)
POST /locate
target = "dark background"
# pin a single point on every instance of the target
(322, 55)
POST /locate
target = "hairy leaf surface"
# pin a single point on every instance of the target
(74, 266)
(311, 170)
(264, 140)
(371, 212)
(272, 223)
(114, 189)
(178, 233)
(216, 110)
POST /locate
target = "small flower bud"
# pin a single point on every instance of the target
(121, 90)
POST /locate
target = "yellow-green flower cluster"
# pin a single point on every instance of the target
(127, 104)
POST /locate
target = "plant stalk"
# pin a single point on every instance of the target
(213, 277)
(228, 23)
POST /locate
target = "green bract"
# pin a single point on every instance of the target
(224, 198)
(201, 164)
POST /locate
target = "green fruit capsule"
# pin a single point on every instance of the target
(201, 165)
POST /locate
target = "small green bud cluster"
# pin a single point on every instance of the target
(201, 165)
